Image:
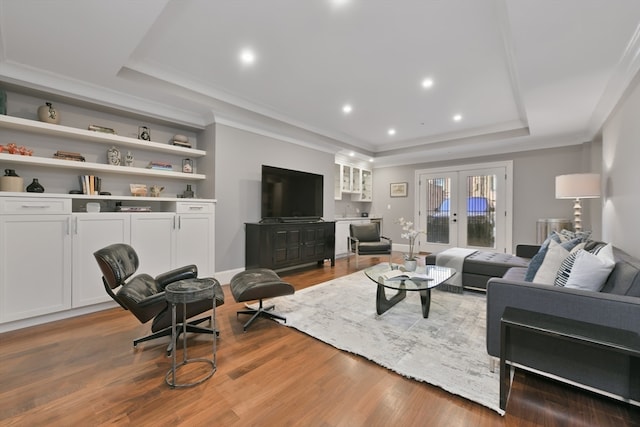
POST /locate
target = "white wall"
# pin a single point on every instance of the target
(621, 177)
(533, 189)
(239, 156)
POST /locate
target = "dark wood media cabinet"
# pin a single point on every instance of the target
(287, 244)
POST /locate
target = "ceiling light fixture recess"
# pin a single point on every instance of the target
(457, 118)
(427, 83)
(391, 132)
(347, 109)
(247, 56)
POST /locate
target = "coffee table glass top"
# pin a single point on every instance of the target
(436, 274)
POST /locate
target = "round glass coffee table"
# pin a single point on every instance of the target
(422, 280)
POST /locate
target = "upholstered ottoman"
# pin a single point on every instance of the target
(258, 284)
(481, 266)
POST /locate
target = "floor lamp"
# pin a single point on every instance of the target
(578, 186)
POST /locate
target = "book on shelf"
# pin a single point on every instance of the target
(67, 155)
(133, 208)
(90, 184)
(406, 275)
(160, 166)
(181, 144)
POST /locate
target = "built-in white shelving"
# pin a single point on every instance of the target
(25, 125)
(97, 167)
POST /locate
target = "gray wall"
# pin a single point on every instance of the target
(239, 156)
(620, 154)
(533, 189)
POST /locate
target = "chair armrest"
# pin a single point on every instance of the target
(527, 251)
(351, 243)
(152, 300)
(386, 238)
(605, 309)
(181, 273)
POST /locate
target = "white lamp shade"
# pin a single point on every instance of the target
(578, 186)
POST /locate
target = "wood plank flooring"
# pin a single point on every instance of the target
(85, 372)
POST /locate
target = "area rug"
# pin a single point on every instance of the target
(446, 350)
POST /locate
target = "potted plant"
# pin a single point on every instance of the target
(410, 233)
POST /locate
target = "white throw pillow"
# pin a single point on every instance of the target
(589, 271)
(546, 274)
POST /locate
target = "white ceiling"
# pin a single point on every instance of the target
(523, 74)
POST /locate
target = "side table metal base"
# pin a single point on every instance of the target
(183, 292)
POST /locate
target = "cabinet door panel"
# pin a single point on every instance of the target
(152, 237)
(90, 233)
(35, 256)
(195, 242)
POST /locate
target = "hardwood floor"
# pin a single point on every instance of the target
(84, 371)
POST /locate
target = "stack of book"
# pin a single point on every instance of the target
(133, 208)
(160, 166)
(67, 155)
(90, 184)
(181, 141)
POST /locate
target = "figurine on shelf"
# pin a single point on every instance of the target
(48, 114)
(113, 156)
(128, 159)
(156, 190)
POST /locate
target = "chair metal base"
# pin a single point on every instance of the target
(261, 311)
(191, 327)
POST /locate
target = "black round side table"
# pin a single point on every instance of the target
(184, 292)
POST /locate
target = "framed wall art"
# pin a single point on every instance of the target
(398, 189)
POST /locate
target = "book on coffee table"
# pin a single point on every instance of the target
(406, 275)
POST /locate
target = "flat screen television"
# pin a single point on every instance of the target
(291, 195)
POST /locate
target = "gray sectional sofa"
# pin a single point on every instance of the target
(617, 305)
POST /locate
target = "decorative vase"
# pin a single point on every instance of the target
(11, 181)
(47, 113)
(410, 264)
(188, 193)
(35, 187)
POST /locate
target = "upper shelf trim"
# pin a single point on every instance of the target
(18, 123)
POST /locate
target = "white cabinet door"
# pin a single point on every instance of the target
(342, 232)
(195, 242)
(35, 265)
(90, 233)
(153, 239)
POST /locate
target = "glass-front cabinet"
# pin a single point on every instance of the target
(353, 180)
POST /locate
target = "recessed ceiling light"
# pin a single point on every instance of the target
(338, 3)
(371, 160)
(247, 56)
(457, 118)
(427, 83)
(347, 109)
(352, 154)
(391, 131)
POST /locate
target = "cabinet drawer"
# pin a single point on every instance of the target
(194, 207)
(35, 206)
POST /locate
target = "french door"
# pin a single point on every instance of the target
(468, 208)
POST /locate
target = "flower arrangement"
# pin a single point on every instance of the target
(409, 233)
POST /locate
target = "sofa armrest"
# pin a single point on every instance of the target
(527, 251)
(605, 309)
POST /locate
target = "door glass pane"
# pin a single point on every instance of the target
(481, 213)
(438, 208)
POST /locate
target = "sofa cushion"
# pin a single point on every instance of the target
(625, 277)
(590, 271)
(585, 275)
(553, 263)
(492, 264)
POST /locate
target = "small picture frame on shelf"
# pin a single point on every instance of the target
(144, 133)
(187, 166)
(398, 189)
